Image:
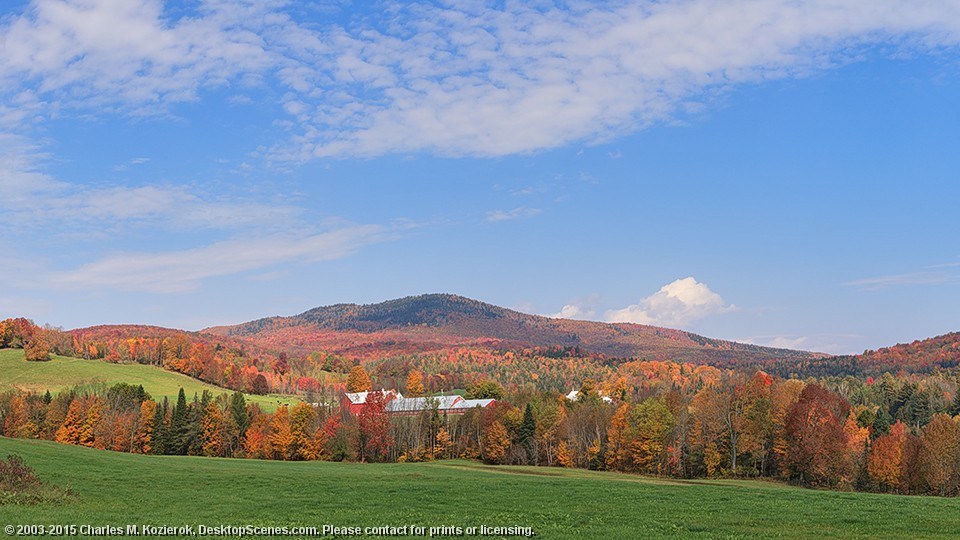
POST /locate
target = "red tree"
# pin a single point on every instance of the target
(375, 438)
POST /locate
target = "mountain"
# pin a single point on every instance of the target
(434, 322)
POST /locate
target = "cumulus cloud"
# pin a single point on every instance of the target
(583, 308)
(181, 271)
(676, 304)
(573, 311)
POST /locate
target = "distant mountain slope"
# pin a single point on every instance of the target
(436, 321)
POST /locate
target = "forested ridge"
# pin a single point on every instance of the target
(435, 322)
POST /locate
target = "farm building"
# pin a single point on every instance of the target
(574, 395)
(355, 400)
(397, 405)
(445, 405)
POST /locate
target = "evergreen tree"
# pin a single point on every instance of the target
(160, 431)
(882, 422)
(179, 426)
(193, 445)
(955, 406)
(527, 434)
(920, 409)
(236, 421)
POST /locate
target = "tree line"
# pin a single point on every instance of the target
(888, 435)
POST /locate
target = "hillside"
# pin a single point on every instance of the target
(63, 372)
(436, 321)
(919, 356)
(120, 489)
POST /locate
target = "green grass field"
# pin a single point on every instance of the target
(121, 489)
(62, 372)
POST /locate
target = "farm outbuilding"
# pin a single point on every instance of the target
(397, 405)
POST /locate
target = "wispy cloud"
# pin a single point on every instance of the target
(182, 271)
(21, 179)
(474, 79)
(450, 79)
(32, 197)
(127, 55)
(677, 304)
(908, 278)
(824, 343)
(509, 215)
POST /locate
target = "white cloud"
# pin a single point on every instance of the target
(128, 54)
(676, 304)
(21, 180)
(573, 311)
(474, 79)
(451, 79)
(582, 308)
(823, 343)
(509, 215)
(181, 271)
(32, 197)
(779, 342)
(908, 278)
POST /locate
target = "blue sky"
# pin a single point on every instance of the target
(782, 172)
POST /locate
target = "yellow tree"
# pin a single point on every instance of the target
(69, 432)
(302, 421)
(940, 454)
(415, 384)
(281, 435)
(619, 437)
(213, 432)
(709, 427)
(496, 443)
(143, 436)
(564, 455)
(443, 443)
(91, 423)
(358, 380)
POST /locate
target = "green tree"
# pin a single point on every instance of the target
(527, 435)
(179, 426)
(486, 389)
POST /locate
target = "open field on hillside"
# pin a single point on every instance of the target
(62, 372)
(120, 489)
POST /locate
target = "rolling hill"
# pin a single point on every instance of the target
(63, 372)
(436, 321)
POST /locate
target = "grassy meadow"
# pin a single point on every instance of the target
(121, 489)
(63, 372)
